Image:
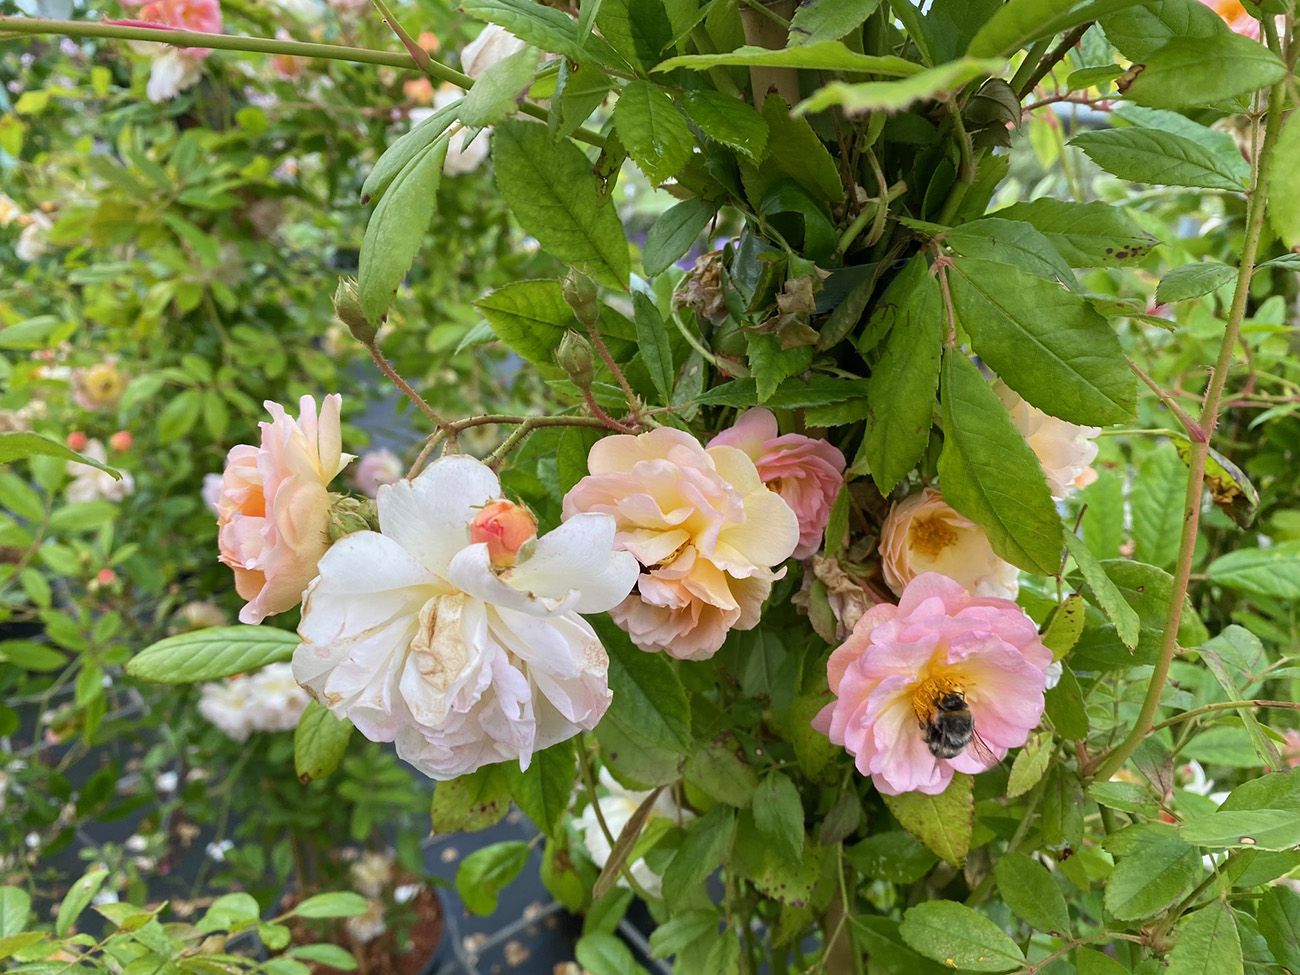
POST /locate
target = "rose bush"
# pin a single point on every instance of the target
(829, 498)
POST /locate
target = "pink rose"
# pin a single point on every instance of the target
(706, 530)
(505, 528)
(938, 640)
(807, 473)
(273, 509)
(377, 467)
(175, 69)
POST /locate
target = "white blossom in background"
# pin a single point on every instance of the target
(463, 154)
(492, 45)
(91, 484)
(616, 807)
(1064, 450)
(372, 873)
(34, 241)
(265, 700)
(444, 633)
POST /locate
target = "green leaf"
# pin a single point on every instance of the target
(894, 856)
(958, 937)
(673, 233)
(943, 822)
(319, 742)
(1065, 627)
(778, 813)
(654, 133)
(1156, 503)
(1064, 704)
(1012, 242)
(78, 898)
(1018, 22)
(1152, 156)
(708, 841)
(795, 150)
(1140, 31)
(816, 56)
(773, 365)
(1030, 764)
(495, 96)
(1269, 572)
(1104, 592)
(727, 120)
(656, 353)
(1207, 943)
(486, 872)
(400, 154)
(1251, 829)
(543, 792)
(397, 228)
(894, 96)
(325, 954)
(338, 903)
(1191, 72)
(639, 31)
(1046, 343)
(530, 317)
(990, 475)
(901, 390)
(1230, 489)
(553, 193)
(828, 20)
(471, 802)
(682, 931)
(1161, 870)
(21, 444)
(1126, 797)
(1279, 923)
(543, 27)
(718, 772)
(31, 656)
(15, 909)
(1029, 890)
(1284, 183)
(1193, 280)
(1085, 234)
(219, 651)
(605, 954)
(230, 912)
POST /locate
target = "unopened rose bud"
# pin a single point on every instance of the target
(121, 440)
(347, 306)
(348, 515)
(576, 358)
(77, 440)
(506, 528)
(106, 577)
(580, 295)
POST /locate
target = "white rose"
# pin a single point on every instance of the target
(616, 808)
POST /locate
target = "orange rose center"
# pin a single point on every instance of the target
(927, 694)
(930, 536)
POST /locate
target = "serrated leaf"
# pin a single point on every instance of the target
(1018, 22)
(1284, 183)
(1207, 943)
(1193, 281)
(727, 120)
(15, 909)
(652, 130)
(397, 228)
(544, 791)
(989, 474)
(530, 317)
(672, 234)
(319, 742)
(1065, 626)
(894, 96)
(828, 20)
(778, 813)
(211, 654)
(550, 188)
(20, 444)
(1104, 592)
(1250, 829)
(1279, 923)
(496, 94)
(1030, 764)
(656, 353)
(1153, 156)
(959, 937)
(943, 822)
(1085, 234)
(400, 154)
(543, 27)
(471, 802)
(1270, 572)
(818, 56)
(1156, 506)
(1190, 72)
(1029, 890)
(1155, 875)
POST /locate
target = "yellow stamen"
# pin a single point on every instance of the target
(929, 691)
(930, 536)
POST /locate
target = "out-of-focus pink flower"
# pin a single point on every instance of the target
(705, 528)
(273, 511)
(416, 637)
(121, 440)
(1064, 450)
(1235, 15)
(898, 661)
(175, 69)
(1291, 748)
(377, 467)
(807, 473)
(505, 528)
(418, 91)
(286, 66)
(924, 534)
(106, 577)
(77, 440)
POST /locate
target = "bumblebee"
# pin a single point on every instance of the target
(949, 728)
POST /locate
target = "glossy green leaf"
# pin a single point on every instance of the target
(1193, 281)
(894, 96)
(990, 475)
(1207, 943)
(543, 27)
(652, 130)
(828, 20)
(1153, 156)
(553, 193)
(530, 317)
(727, 120)
(211, 654)
(656, 353)
(959, 937)
(1191, 72)
(1085, 234)
(487, 871)
(1141, 30)
(1018, 22)
(319, 742)
(672, 234)
(20, 444)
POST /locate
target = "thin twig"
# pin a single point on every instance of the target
(1054, 57)
(407, 390)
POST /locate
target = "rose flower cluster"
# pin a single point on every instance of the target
(443, 621)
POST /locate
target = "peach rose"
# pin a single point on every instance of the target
(924, 534)
(807, 473)
(505, 528)
(273, 509)
(705, 529)
(1064, 450)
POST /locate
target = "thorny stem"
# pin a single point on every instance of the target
(1208, 421)
(418, 54)
(451, 430)
(602, 350)
(1223, 706)
(10, 26)
(940, 270)
(408, 391)
(1190, 426)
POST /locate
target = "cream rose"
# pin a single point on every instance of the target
(1064, 450)
(924, 534)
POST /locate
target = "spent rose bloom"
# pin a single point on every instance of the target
(938, 639)
(377, 467)
(705, 528)
(807, 473)
(416, 637)
(1064, 450)
(265, 700)
(924, 534)
(616, 807)
(273, 510)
